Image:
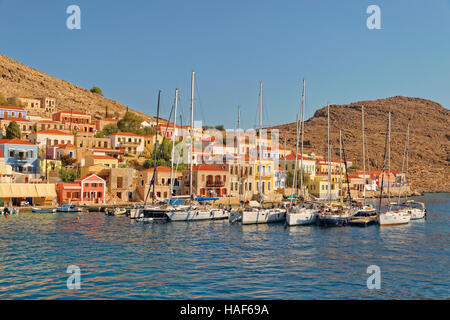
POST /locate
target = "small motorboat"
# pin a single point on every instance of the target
(115, 211)
(68, 208)
(9, 211)
(43, 210)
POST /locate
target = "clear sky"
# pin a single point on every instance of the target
(131, 49)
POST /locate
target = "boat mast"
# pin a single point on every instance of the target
(192, 136)
(364, 156)
(400, 187)
(329, 155)
(239, 154)
(389, 161)
(156, 141)
(260, 140)
(406, 171)
(173, 142)
(340, 166)
(294, 178)
(302, 129)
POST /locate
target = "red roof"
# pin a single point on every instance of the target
(109, 119)
(292, 157)
(73, 112)
(16, 119)
(15, 141)
(102, 157)
(54, 132)
(207, 167)
(125, 134)
(1, 154)
(158, 169)
(12, 108)
(90, 177)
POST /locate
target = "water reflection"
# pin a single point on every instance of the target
(121, 258)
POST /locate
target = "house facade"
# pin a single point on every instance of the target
(87, 189)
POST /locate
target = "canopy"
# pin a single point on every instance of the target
(205, 199)
(27, 190)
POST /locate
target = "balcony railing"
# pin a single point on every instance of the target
(215, 183)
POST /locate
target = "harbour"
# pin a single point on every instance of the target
(121, 258)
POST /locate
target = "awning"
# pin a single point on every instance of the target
(5, 190)
(26, 190)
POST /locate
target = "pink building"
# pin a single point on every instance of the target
(90, 188)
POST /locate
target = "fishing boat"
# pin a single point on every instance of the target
(43, 210)
(68, 208)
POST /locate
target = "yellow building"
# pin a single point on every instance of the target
(107, 161)
(149, 142)
(264, 172)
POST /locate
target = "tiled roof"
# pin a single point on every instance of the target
(158, 169)
(54, 132)
(15, 141)
(12, 108)
(102, 157)
(16, 119)
(207, 167)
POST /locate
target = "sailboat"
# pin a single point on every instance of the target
(255, 212)
(392, 217)
(414, 208)
(302, 213)
(335, 215)
(366, 210)
(193, 211)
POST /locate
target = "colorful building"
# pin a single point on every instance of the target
(87, 189)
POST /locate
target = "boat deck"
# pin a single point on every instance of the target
(363, 221)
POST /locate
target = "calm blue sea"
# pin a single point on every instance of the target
(124, 259)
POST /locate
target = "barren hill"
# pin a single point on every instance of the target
(429, 151)
(18, 80)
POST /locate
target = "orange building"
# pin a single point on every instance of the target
(90, 188)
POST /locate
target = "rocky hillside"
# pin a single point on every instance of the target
(18, 80)
(429, 152)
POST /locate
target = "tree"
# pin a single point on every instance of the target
(97, 90)
(66, 160)
(13, 131)
(290, 177)
(130, 123)
(68, 175)
(148, 164)
(110, 129)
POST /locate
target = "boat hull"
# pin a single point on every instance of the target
(333, 220)
(41, 210)
(301, 218)
(417, 214)
(393, 218)
(197, 215)
(263, 216)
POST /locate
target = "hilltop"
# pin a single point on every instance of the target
(19, 80)
(429, 151)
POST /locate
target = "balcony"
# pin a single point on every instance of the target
(215, 184)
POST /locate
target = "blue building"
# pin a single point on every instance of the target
(12, 112)
(21, 155)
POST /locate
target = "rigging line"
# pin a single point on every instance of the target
(382, 171)
(199, 100)
(157, 160)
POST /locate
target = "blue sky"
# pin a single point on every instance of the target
(131, 49)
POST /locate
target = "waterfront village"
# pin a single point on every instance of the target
(68, 157)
